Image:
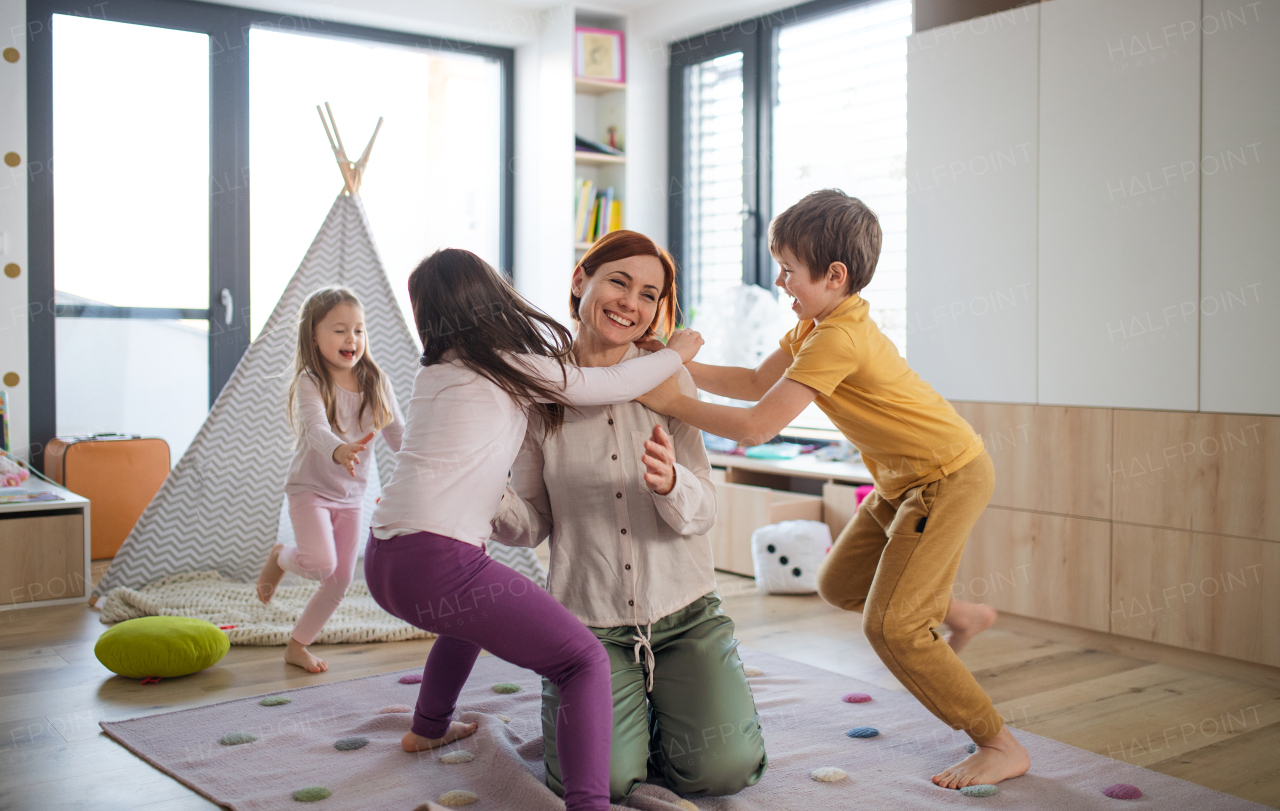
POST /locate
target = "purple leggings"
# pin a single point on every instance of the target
(455, 590)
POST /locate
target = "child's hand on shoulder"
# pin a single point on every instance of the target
(661, 398)
(686, 342)
(348, 455)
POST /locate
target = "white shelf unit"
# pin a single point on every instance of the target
(599, 105)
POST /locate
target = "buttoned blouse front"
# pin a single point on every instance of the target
(620, 553)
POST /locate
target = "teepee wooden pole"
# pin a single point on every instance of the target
(364, 156)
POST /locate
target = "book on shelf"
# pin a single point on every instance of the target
(596, 213)
(583, 206)
(581, 144)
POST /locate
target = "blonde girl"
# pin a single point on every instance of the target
(339, 399)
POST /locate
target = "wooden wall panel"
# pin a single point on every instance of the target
(1047, 458)
(971, 205)
(1215, 473)
(1208, 593)
(1119, 203)
(1239, 307)
(1045, 566)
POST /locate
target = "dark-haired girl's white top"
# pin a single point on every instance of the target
(462, 433)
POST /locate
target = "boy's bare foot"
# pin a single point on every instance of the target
(967, 620)
(416, 743)
(998, 759)
(271, 575)
(296, 653)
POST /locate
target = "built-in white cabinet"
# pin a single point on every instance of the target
(1239, 303)
(1119, 203)
(972, 162)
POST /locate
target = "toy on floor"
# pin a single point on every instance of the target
(311, 794)
(979, 791)
(275, 701)
(863, 732)
(237, 738)
(506, 687)
(457, 797)
(1122, 791)
(350, 744)
(752, 671)
(167, 647)
(971, 747)
(460, 756)
(787, 556)
(412, 678)
(395, 708)
(856, 698)
(827, 774)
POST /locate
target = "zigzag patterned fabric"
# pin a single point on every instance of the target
(220, 508)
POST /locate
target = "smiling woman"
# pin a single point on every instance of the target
(633, 259)
(625, 495)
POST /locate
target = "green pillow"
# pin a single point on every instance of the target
(161, 646)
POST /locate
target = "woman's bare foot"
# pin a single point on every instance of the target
(271, 575)
(416, 743)
(967, 620)
(998, 759)
(296, 653)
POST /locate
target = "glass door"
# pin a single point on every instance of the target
(714, 212)
(131, 229)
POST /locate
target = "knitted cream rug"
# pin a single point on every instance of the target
(206, 596)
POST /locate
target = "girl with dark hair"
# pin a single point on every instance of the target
(489, 362)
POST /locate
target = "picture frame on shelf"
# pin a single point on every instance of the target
(598, 55)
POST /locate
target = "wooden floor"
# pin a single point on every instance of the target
(1211, 729)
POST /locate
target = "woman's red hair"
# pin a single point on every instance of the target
(617, 245)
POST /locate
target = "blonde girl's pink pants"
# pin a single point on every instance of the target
(328, 535)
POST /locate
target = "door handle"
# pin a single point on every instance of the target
(227, 305)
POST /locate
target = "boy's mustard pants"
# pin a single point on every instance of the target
(896, 562)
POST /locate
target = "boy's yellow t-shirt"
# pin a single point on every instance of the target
(908, 434)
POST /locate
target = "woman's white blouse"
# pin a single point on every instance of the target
(620, 553)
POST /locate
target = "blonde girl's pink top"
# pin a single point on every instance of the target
(313, 469)
(463, 432)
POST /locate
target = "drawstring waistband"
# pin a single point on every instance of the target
(648, 663)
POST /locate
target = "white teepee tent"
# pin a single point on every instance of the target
(222, 507)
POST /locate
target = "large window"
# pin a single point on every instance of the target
(764, 112)
(148, 275)
(131, 231)
(434, 178)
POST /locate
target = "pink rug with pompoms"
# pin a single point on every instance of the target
(802, 713)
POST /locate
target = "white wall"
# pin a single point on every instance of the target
(972, 162)
(13, 220)
(1158, 202)
(1240, 208)
(1119, 202)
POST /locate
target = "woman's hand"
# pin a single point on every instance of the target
(348, 455)
(659, 462)
(660, 399)
(686, 342)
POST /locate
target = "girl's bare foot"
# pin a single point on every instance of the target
(416, 743)
(967, 620)
(271, 574)
(296, 653)
(998, 759)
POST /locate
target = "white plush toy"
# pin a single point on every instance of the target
(787, 556)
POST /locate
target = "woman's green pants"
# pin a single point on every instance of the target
(698, 729)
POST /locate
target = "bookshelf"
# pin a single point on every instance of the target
(599, 107)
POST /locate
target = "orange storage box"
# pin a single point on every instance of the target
(118, 474)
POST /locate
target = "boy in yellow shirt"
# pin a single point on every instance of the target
(897, 559)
